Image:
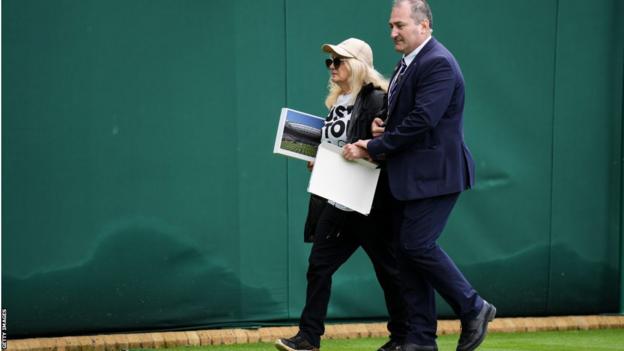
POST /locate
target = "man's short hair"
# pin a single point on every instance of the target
(420, 10)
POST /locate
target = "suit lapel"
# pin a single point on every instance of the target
(396, 71)
(411, 69)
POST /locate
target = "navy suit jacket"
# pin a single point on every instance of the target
(423, 142)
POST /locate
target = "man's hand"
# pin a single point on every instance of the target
(355, 151)
(363, 144)
(378, 127)
(310, 165)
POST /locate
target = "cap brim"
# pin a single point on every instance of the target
(335, 49)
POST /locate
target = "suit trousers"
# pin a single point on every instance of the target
(425, 267)
(338, 235)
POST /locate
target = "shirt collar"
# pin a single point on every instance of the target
(412, 55)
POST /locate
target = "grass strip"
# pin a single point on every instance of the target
(594, 340)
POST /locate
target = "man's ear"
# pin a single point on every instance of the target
(425, 25)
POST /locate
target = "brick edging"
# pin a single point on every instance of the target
(269, 334)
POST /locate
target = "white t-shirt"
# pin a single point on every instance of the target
(335, 129)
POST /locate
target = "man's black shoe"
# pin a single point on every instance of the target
(296, 343)
(415, 347)
(473, 331)
(391, 345)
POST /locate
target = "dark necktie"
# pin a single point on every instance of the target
(395, 82)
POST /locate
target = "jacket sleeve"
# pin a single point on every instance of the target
(434, 93)
(375, 108)
(372, 106)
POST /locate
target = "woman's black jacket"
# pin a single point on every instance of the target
(370, 103)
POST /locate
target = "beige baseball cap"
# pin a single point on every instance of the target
(353, 48)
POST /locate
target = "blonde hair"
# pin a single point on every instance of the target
(360, 75)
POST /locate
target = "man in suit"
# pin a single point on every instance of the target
(428, 166)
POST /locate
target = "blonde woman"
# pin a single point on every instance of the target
(356, 96)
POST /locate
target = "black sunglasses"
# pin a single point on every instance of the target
(336, 61)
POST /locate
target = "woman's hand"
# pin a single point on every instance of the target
(310, 165)
(355, 151)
